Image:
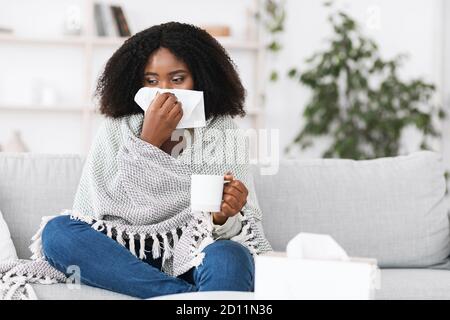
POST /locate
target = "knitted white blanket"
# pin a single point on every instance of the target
(134, 190)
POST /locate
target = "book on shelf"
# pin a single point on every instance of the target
(99, 19)
(121, 21)
(110, 21)
(15, 143)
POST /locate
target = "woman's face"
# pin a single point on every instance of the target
(164, 70)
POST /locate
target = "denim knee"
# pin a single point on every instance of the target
(227, 265)
(229, 250)
(55, 235)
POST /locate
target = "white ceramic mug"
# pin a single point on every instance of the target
(206, 192)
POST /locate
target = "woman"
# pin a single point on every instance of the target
(131, 229)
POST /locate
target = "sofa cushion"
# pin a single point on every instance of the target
(32, 186)
(395, 284)
(410, 284)
(391, 209)
(7, 249)
(61, 291)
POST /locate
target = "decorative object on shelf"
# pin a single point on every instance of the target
(72, 20)
(15, 143)
(44, 94)
(217, 30)
(6, 30)
(358, 98)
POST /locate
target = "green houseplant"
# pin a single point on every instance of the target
(358, 98)
(272, 17)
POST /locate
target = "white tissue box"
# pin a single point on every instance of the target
(280, 277)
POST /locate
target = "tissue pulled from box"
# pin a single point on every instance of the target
(192, 103)
(315, 247)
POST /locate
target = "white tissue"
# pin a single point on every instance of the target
(315, 247)
(192, 103)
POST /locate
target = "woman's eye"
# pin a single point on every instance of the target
(178, 79)
(151, 81)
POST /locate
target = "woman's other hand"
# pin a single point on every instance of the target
(233, 200)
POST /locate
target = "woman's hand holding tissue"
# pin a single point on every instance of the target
(161, 119)
(233, 200)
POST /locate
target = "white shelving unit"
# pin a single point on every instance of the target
(89, 43)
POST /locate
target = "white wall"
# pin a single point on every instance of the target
(414, 27)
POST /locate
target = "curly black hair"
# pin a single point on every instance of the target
(212, 70)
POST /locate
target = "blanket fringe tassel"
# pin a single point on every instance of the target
(36, 244)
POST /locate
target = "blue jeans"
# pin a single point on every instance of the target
(106, 264)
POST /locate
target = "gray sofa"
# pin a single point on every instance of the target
(390, 209)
